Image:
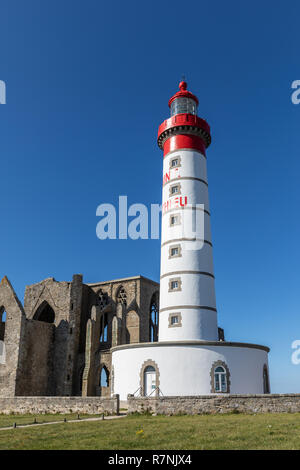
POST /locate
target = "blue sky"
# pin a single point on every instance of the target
(88, 83)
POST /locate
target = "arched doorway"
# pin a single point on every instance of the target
(149, 381)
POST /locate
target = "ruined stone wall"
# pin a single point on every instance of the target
(56, 294)
(128, 322)
(74, 335)
(37, 375)
(103, 360)
(35, 405)
(58, 297)
(148, 288)
(65, 299)
(50, 358)
(89, 298)
(131, 287)
(192, 405)
(14, 336)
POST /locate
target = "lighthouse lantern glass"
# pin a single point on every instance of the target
(183, 105)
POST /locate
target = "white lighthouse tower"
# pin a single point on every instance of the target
(190, 357)
(187, 294)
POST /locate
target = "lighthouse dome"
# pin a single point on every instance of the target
(183, 101)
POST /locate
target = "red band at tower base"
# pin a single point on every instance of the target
(184, 141)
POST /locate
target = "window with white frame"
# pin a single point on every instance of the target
(175, 251)
(174, 220)
(175, 320)
(175, 284)
(220, 379)
(175, 162)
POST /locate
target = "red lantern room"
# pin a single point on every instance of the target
(184, 129)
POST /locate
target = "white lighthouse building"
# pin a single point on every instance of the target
(187, 294)
(191, 356)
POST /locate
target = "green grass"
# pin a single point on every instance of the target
(232, 431)
(9, 420)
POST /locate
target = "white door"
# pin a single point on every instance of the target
(150, 381)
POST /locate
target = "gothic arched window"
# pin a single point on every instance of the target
(44, 313)
(122, 296)
(104, 328)
(2, 323)
(103, 299)
(220, 378)
(153, 320)
(104, 377)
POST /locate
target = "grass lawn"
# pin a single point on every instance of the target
(232, 431)
(9, 420)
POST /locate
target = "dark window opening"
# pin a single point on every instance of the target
(104, 377)
(103, 299)
(44, 313)
(2, 323)
(153, 321)
(266, 380)
(104, 328)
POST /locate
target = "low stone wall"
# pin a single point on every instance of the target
(192, 405)
(35, 405)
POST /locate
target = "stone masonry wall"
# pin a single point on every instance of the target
(192, 405)
(148, 288)
(34, 405)
(14, 336)
(36, 376)
(58, 296)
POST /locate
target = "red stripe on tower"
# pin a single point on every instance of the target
(184, 129)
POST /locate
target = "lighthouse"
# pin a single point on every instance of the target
(187, 293)
(190, 358)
